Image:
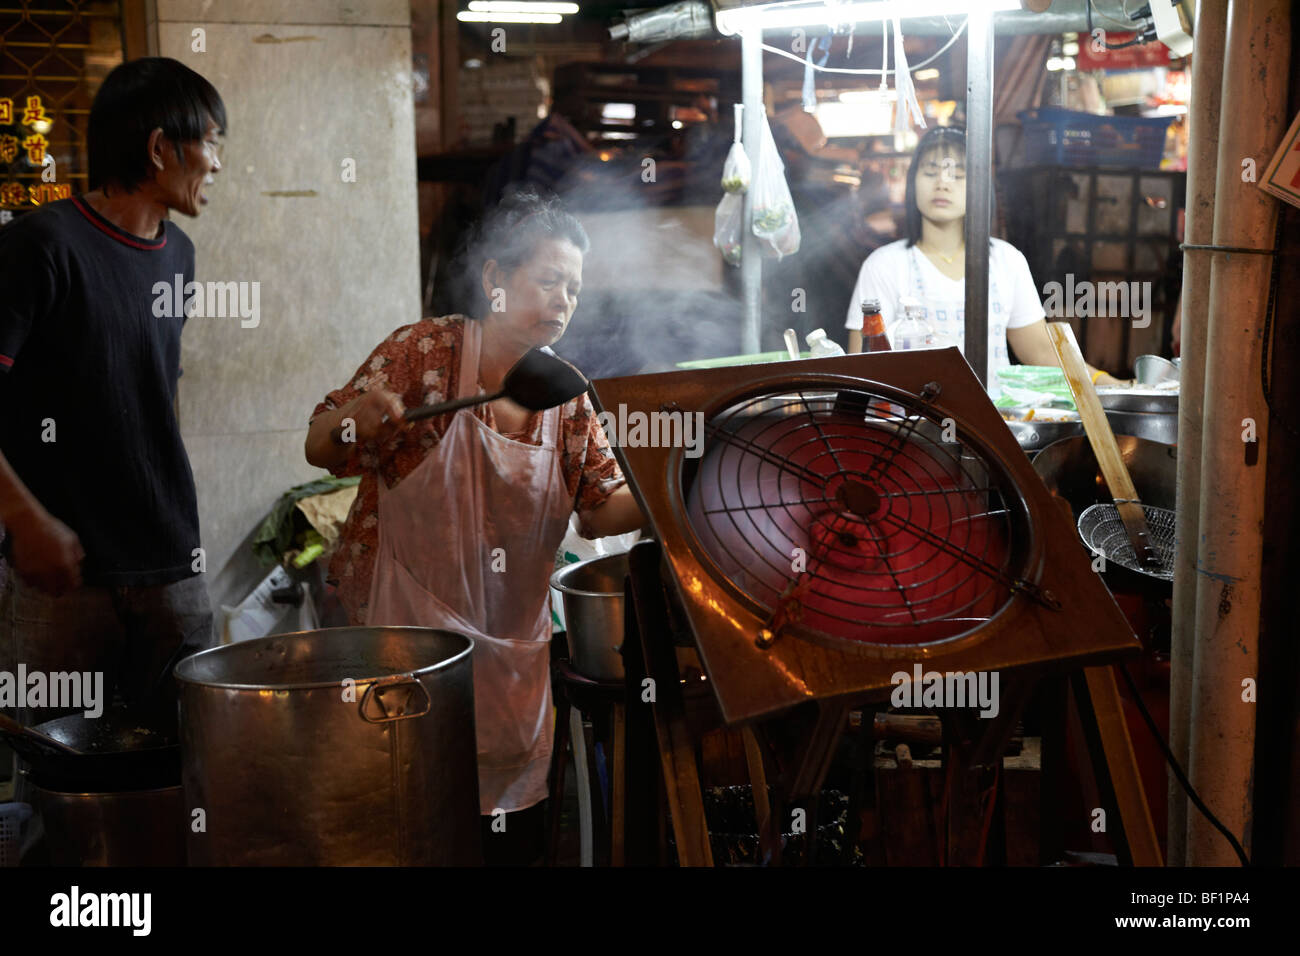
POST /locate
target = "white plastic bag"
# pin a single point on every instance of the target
(728, 221)
(775, 223)
(575, 548)
(736, 173)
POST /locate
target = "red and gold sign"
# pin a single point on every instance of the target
(36, 149)
(34, 112)
(13, 194)
(36, 144)
(48, 192)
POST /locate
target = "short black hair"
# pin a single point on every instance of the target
(510, 233)
(136, 98)
(935, 139)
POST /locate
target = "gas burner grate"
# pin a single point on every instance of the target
(851, 517)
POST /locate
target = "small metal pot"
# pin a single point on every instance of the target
(1152, 369)
(593, 612)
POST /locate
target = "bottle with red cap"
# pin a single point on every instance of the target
(874, 338)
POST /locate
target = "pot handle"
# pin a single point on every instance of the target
(376, 689)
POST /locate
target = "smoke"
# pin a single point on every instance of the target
(655, 290)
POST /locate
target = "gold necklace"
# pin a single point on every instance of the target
(948, 259)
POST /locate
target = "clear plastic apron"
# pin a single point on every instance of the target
(467, 542)
(953, 326)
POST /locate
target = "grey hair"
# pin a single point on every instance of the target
(510, 233)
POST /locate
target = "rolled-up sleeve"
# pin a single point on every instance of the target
(599, 475)
(387, 367)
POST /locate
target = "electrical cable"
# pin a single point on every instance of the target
(1142, 29)
(1106, 16)
(1270, 306)
(1178, 770)
(830, 69)
(1140, 38)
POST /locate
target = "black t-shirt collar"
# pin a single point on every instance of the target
(114, 232)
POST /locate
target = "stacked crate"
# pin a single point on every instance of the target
(496, 91)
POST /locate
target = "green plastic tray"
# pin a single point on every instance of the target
(755, 358)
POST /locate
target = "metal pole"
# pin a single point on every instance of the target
(751, 262)
(1253, 117)
(1202, 162)
(979, 175)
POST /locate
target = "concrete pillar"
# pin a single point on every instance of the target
(308, 85)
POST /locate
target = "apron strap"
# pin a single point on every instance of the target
(470, 350)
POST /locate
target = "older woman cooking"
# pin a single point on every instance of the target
(458, 517)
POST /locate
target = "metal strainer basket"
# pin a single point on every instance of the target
(1103, 531)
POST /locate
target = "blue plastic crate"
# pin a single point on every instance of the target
(1061, 137)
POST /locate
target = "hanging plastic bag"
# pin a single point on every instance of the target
(775, 224)
(736, 171)
(909, 110)
(728, 221)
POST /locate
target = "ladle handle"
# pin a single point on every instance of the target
(428, 411)
(441, 408)
(1097, 427)
(11, 728)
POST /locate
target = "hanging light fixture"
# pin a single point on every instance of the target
(779, 16)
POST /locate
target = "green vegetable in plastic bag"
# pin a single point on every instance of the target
(1033, 385)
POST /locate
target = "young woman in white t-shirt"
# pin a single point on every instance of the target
(930, 266)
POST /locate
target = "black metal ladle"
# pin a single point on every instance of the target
(539, 380)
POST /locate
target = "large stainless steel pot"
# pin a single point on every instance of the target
(1033, 435)
(130, 828)
(1152, 426)
(345, 746)
(593, 614)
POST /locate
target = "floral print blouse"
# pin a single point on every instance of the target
(421, 363)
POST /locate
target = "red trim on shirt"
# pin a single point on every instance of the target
(113, 232)
(6, 361)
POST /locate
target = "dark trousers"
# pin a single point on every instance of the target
(133, 635)
(522, 842)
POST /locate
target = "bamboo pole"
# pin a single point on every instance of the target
(1253, 117)
(1202, 161)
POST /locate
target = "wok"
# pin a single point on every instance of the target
(1069, 469)
(116, 751)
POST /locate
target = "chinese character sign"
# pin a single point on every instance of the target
(35, 112)
(35, 146)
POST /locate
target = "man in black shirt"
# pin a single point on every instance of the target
(96, 493)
